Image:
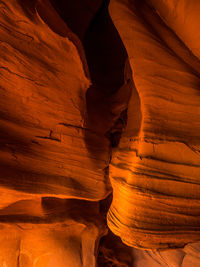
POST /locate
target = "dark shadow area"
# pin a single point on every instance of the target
(52, 209)
(77, 13)
(106, 57)
(105, 52)
(28, 7)
(113, 253)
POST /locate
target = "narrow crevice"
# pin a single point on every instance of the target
(48, 137)
(105, 52)
(115, 133)
(77, 13)
(113, 253)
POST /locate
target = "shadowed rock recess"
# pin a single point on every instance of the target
(99, 133)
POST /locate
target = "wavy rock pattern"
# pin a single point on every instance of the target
(99, 97)
(155, 170)
(43, 130)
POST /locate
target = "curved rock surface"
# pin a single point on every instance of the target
(43, 86)
(155, 170)
(99, 127)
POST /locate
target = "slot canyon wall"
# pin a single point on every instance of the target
(99, 133)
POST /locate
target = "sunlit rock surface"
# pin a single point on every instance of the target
(99, 133)
(155, 169)
(55, 235)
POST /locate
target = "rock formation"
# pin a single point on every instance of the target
(155, 169)
(99, 133)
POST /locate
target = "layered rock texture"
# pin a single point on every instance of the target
(99, 133)
(155, 169)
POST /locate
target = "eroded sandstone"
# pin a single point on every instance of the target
(99, 96)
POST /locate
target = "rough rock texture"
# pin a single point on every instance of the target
(99, 127)
(42, 129)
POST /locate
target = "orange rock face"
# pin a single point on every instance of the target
(99, 131)
(43, 150)
(155, 170)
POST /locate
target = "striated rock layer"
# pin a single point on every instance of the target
(53, 160)
(43, 104)
(87, 107)
(155, 170)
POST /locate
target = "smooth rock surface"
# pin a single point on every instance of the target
(99, 118)
(155, 170)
